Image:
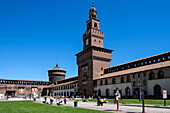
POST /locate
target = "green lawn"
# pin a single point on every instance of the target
(135, 101)
(32, 107)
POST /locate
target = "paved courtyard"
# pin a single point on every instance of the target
(111, 107)
(124, 108)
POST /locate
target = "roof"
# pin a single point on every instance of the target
(135, 70)
(95, 48)
(57, 69)
(67, 78)
(24, 80)
(66, 83)
(141, 59)
(137, 63)
(92, 9)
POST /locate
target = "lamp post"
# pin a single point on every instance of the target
(164, 96)
(143, 101)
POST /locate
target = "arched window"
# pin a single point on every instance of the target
(128, 79)
(157, 91)
(95, 82)
(160, 74)
(87, 42)
(134, 83)
(92, 15)
(151, 75)
(85, 92)
(85, 74)
(99, 92)
(95, 25)
(64, 94)
(107, 92)
(127, 90)
(113, 81)
(101, 82)
(144, 83)
(106, 82)
(122, 79)
(89, 26)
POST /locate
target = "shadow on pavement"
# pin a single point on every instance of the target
(155, 106)
(121, 111)
(133, 112)
(109, 110)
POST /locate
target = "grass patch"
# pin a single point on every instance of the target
(32, 107)
(135, 101)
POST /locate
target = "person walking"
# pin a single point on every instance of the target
(51, 100)
(65, 100)
(45, 98)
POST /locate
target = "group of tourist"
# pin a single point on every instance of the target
(56, 99)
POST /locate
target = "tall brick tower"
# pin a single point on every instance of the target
(94, 58)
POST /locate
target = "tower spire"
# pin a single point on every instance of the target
(57, 62)
(93, 12)
(92, 4)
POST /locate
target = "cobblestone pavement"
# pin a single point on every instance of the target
(124, 108)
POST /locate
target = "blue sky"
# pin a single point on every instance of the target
(36, 34)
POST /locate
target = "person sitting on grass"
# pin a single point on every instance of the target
(104, 100)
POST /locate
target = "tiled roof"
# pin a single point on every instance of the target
(141, 59)
(57, 69)
(95, 48)
(24, 80)
(137, 69)
(66, 83)
(68, 79)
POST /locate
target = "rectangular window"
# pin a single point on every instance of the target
(144, 74)
(87, 42)
(138, 75)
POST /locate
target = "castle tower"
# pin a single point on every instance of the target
(94, 58)
(56, 74)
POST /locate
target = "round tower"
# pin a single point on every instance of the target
(56, 74)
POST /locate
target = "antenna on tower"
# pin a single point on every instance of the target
(57, 62)
(93, 4)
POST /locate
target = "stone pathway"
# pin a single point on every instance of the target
(124, 108)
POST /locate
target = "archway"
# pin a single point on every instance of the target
(85, 92)
(157, 91)
(127, 90)
(107, 92)
(99, 92)
(136, 93)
